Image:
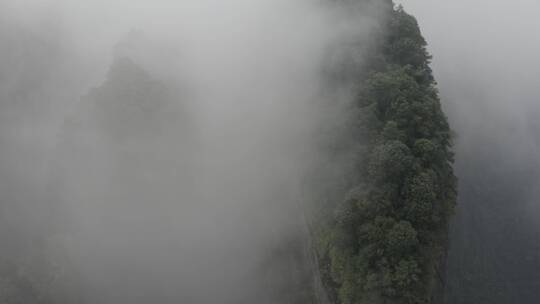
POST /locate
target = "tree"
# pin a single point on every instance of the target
(385, 238)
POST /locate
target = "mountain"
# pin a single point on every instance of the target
(382, 238)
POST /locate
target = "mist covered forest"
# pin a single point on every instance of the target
(267, 151)
(488, 76)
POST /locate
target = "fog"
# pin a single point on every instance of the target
(485, 61)
(156, 151)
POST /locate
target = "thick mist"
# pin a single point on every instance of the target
(156, 151)
(485, 60)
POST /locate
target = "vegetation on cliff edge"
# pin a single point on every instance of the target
(386, 239)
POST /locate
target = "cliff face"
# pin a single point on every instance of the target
(383, 236)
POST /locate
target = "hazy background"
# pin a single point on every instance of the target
(154, 151)
(90, 201)
(486, 63)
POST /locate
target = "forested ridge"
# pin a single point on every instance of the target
(385, 241)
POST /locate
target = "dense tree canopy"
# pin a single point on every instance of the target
(386, 240)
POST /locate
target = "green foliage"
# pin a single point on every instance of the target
(426, 150)
(390, 161)
(406, 46)
(420, 195)
(392, 131)
(387, 235)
